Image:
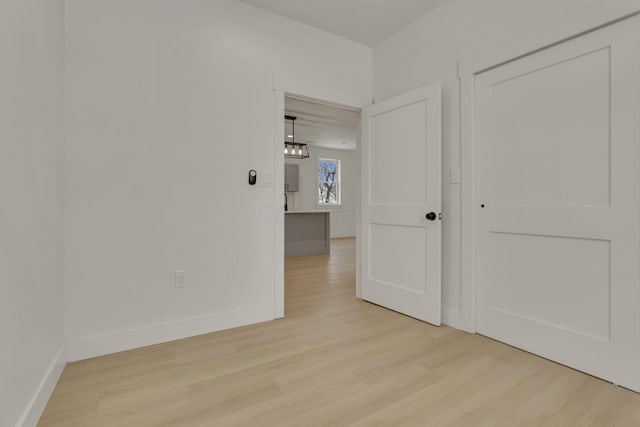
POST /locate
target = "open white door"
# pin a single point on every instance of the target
(401, 204)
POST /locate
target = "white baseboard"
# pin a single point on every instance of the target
(116, 341)
(452, 317)
(36, 407)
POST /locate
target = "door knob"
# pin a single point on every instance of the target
(431, 216)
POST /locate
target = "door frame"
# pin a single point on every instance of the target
(588, 19)
(278, 196)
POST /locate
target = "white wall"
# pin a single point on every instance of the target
(31, 209)
(428, 51)
(169, 105)
(343, 218)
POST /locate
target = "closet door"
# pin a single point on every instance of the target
(558, 163)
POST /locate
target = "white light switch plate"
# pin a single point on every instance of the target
(454, 176)
(180, 281)
(266, 178)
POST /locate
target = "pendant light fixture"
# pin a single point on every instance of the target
(293, 149)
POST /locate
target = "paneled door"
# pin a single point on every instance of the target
(401, 202)
(558, 194)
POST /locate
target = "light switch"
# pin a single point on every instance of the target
(454, 176)
(180, 279)
(266, 178)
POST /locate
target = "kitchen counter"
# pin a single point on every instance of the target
(307, 233)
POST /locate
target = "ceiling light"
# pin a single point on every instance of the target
(301, 148)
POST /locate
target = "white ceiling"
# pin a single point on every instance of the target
(364, 21)
(321, 125)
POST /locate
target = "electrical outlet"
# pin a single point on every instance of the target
(180, 279)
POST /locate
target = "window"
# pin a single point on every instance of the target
(328, 182)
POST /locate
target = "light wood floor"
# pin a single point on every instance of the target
(334, 360)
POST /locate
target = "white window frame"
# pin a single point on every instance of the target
(338, 163)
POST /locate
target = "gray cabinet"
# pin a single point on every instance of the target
(290, 177)
(307, 233)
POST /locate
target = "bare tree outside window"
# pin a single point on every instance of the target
(328, 182)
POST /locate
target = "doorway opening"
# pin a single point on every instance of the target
(321, 203)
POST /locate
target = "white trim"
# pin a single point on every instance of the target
(587, 19)
(329, 207)
(452, 317)
(358, 209)
(343, 236)
(38, 403)
(327, 103)
(278, 206)
(116, 341)
(467, 208)
(317, 94)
